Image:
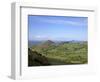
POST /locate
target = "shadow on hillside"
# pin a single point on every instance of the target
(37, 59)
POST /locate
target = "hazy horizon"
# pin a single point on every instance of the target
(58, 40)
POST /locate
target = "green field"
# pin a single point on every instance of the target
(63, 53)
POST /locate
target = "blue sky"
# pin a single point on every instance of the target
(57, 28)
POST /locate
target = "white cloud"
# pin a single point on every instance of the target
(40, 37)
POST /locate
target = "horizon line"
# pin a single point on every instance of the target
(58, 40)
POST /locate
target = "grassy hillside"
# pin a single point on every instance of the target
(62, 53)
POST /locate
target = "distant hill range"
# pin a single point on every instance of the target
(47, 42)
(31, 43)
(50, 42)
(72, 41)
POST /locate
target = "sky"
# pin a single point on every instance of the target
(57, 28)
